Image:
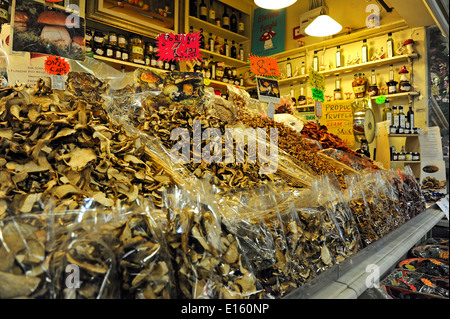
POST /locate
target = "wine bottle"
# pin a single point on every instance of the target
(211, 43)
(241, 53)
(226, 48)
(212, 13)
(225, 19)
(365, 52)
(233, 22)
(203, 10)
(233, 50)
(193, 8)
(241, 25)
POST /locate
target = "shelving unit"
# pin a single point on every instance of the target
(228, 60)
(398, 95)
(369, 65)
(220, 32)
(131, 65)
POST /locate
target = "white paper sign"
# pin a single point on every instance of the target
(443, 205)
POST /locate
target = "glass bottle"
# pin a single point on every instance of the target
(202, 39)
(390, 46)
(394, 154)
(303, 69)
(173, 65)
(225, 19)
(401, 117)
(288, 68)
(226, 48)
(153, 60)
(211, 43)
(364, 52)
(193, 8)
(315, 62)
(402, 154)
(410, 117)
(391, 72)
(233, 22)
(241, 53)
(373, 89)
(301, 98)
(203, 10)
(233, 53)
(338, 57)
(241, 25)
(337, 90)
(395, 117)
(212, 65)
(387, 112)
(219, 71)
(211, 13)
(292, 94)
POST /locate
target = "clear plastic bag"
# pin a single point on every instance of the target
(254, 219)
(145, 264)
(83, 264)
(382, 221)
(25, 253)
(360, 210)
(207, 259)
(343, 237)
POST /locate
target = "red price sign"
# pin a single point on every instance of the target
(56, 65)
(179, 46)
(264, 66)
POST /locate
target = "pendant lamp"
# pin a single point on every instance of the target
(323, 26)
(274, 4)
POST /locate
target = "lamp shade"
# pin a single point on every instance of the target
(323, 26)
(274, 4)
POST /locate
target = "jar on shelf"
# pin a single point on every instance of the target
(122, 41)
(392, 87)
(117, 53)
(99, 38)
(88, 36)
(99, 50)
(112, 38)
(109, 51)
(359, 85)
(125, 56)
(136, 49)
(89, 49)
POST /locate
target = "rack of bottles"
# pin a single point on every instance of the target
(225, 42)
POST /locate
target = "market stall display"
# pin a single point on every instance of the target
(174, 230)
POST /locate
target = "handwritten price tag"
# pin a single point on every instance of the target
(179, 46)
(56, 65)
(264, 66)
(317, 95)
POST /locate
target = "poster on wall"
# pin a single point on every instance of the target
(337, 116)
(268, 35)
(42, 29)
(433, 174)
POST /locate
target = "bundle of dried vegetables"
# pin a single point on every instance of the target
(70, 149)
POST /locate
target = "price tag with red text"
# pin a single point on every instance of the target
(56, 65)
(179, 47)
(264, 66)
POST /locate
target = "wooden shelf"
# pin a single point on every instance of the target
(404, 135)
(398, 95)
(293, 80)
(407, 162)
(369, 65)
(342, 39)
(226, 59)
(218, 31)
(130, 64)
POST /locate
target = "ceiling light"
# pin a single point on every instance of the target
(274, 4)
(323, 26)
